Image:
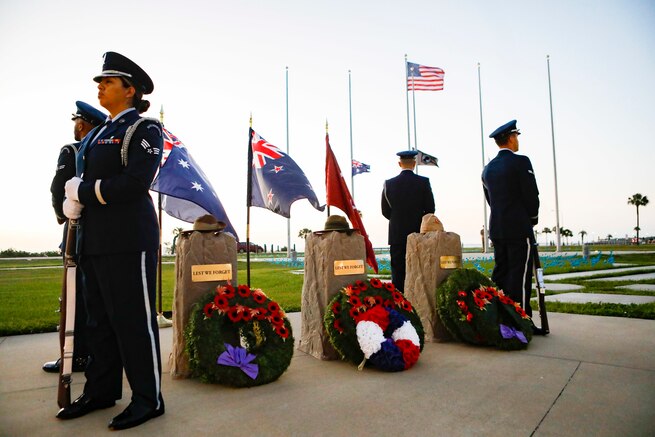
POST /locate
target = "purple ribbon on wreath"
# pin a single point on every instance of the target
(508, 332)
(239, 357)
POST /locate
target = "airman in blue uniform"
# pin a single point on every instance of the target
(86, 118)
(405, 199)
(511, 190)
(118, 244)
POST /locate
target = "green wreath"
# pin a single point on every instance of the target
(475, 311)
(238, 337)
(377, 302)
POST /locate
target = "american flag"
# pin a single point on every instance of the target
(424, 78)
(186, 192)
(276, 180)
(360, 167)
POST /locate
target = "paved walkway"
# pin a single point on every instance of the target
(591, 376)
(624, 299)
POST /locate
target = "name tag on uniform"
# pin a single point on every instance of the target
(349, 267)
(450, 262)
(211, 272)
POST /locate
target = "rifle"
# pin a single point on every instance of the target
(67, 318)
(541, 288)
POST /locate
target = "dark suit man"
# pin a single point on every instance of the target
(405, 199)
(86, 118)
(511, 190)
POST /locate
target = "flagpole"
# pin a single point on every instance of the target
(288, 219)
(328, 204)
(409, 141)
(162, 321)
(350, 109)
(552, 130)
(248, 202)
(485, 233)
(414, 110)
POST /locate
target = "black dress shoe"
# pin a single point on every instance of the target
(538, 331)
(134, 415)
(83, 405)
(79, 365)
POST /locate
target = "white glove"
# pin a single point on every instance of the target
(71, 188)
(72, 208)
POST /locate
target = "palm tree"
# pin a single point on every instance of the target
(304, 232)
(176, 233)
(582, 234)
(638, 200)
(546, 231)
(566, 233)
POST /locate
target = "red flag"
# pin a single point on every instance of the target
(339, 196)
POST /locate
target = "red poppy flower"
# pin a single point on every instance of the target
(244, 291)
(462, 305)
(406, 305)
(276, 320)
(356, 313)
(388, 303)
(336, 307)
(337, 325)
(389, 286)
(469, 317)
(378, 315)
(261, 313)
(273, 307)
(282, 331)
(478, 302)
(376, 283)
(397, 297)
(221, 302)
(410, 352)
(378, 300)
(351, 290)
(354, 301)
(226, 290)
(461, 293)
(246, 316)
(259, 297)
(234, 315)
(208, 309)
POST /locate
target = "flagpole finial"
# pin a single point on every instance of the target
(251, 120)
(161, 114)
(326, 126)
(405, 57)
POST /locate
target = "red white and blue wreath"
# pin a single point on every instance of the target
(238, 337)
(371, 322)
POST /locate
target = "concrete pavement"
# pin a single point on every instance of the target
(591, 376)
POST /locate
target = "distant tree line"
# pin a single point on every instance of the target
(13, 253)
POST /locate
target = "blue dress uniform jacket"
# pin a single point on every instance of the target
(65, 171)
(119, 215)
(405, 199)
(511, 190)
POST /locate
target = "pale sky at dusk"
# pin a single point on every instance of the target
(214, 63)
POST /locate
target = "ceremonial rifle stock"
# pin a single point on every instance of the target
(67, 317)
(541, 288)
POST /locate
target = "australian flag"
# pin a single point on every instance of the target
(276, 180)
(360, 167)
(187, 193)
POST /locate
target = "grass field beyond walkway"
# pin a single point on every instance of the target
(30, 290)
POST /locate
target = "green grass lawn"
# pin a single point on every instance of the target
(29, 298)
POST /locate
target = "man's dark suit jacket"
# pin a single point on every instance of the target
(511, 190)
(405, 199)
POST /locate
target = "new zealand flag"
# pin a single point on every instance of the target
(276, 181)
(187, 193)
